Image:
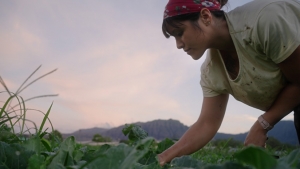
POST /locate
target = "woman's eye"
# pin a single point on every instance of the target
(176, 33)
(179, 33)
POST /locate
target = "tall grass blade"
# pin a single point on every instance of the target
(8, 111)
(6, 120)
(24, 115)
(3, 111)
(35, 97)
(5, 105)
(44, 120)
(36, 80)
(28, 129)
(28, 109)
(4, 85)
(44, 115)
(28, 78)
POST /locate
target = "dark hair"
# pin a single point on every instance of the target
(175, 21)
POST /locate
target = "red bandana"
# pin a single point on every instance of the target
(179, 7)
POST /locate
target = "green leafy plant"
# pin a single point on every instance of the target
(134, 132)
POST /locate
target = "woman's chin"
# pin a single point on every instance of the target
(196, 57)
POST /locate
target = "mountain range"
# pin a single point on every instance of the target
(284, 131)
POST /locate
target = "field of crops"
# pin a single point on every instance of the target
(42, 149)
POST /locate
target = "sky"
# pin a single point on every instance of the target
(114, 66)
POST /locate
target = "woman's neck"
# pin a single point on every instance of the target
(223, 40)
(225, 45)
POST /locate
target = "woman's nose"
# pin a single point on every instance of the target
(179, 44)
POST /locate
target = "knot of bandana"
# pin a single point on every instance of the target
(179, 7)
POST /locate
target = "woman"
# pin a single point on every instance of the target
(253, 54)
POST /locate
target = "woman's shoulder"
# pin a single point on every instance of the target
(276, 31)
(247, 15)
(256, 6)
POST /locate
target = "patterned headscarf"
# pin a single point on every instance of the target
(179, 7)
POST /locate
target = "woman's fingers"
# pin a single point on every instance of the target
(160, 159)
(257, 136)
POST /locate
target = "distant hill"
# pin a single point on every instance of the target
(159, 129)
(284, 131)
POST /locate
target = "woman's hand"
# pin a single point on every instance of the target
(257, 136)
(161, 159)
(168, 154)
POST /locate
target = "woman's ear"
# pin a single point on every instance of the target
(205, 16)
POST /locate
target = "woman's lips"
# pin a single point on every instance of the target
(188, 51)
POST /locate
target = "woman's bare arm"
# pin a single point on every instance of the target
(201, 132)
(286, 101)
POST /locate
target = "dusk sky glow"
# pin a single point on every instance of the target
(114, 66)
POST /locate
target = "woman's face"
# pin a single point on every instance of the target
(192, 39)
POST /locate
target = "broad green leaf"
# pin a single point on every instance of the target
(290, 161)
(64, 156)
(33, 144)
(121, 156)
(163, 145)
(91, 155)
(148, 158)
(185, 161)
(77, 155)
(36, 162)
(150, 166)
(60, 166)
(8, 137)
(227, 165)
(113, 158)
(256, 157)
(13, 156)
(138, 151)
